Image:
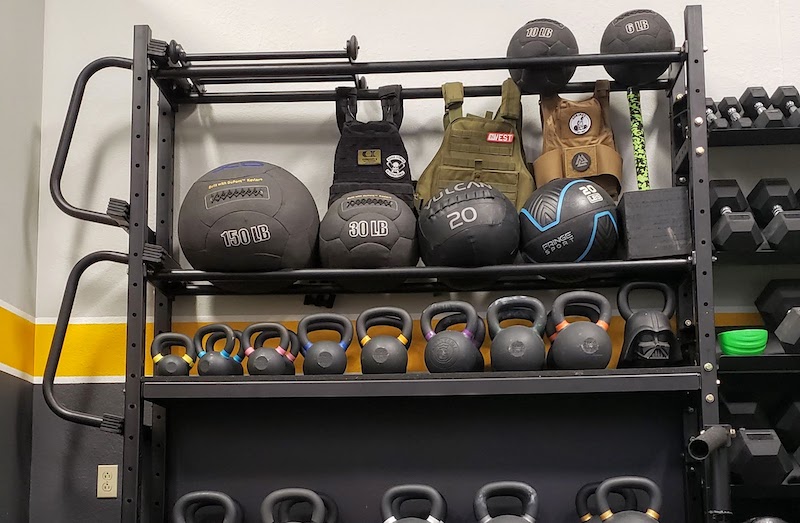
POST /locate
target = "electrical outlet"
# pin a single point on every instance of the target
(107, 481)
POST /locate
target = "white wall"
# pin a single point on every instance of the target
(743, 48)
(21, 40)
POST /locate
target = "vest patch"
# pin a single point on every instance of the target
(395, 166)
(580, 123)
(369, 157)
(500, 137)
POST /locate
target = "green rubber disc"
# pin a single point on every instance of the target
(744, 342)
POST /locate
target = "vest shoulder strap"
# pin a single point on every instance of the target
(391, 97)
(602, 88)
(453, 94)
(346, 105)
(511, 103)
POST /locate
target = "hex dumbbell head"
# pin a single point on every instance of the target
(788, 426)
(734, 227)
(767, 195)
(755, 102)
(726, 193)
(728, 107)
(787, 99)
(743, 414)
(783, 232)
(712, 119)
(776, 299)
(759, 458)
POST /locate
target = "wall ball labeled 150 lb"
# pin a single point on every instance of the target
(637, 31)
(539, 38)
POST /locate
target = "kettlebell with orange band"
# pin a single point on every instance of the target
(384, 354)
(581, 344)
(629, 516)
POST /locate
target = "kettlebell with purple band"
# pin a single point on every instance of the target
(517, 347)
(168, 364)
(522, 491)
(450, 351)
(384, 354)
(272, 361)
(649, 339)
(211, 362)
(478, 336)
(581, 344)
(629, 516)
(413, 492)
(325, 356)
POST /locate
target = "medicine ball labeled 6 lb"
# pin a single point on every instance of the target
(568, 221)
(542, 37)
(637, 31)
(468, 224)
(248, 216)
(368, 229)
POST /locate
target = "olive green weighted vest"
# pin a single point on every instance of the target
(477, 148)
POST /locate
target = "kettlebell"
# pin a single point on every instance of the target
(522, 491)
(586, 491)
(293, 494)
(629, 516)
(187, 505)
(234, 357)
(168, 364)
(649, 339)
(765, 519)
(325, 356)
(384, 354)
(450, 351)
(287, 507)
(412, 492)
(211, 362)
(581, 344)
(272, 361)
(584, 310)
(517, 347)
(478, 337)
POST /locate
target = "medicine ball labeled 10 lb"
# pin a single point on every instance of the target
(468, 224)
(568, 221)
(248, 216)
(537, 38)
(637, 31)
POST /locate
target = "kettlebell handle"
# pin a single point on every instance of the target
(379, 312)
(561, 302)
(458, 318)
(586, 491)
(636, 482)
(623, 302)
(322, 321)
(237, 342)
(408, 492)
(388, 321)
(515, 305)
(331, 509)
(202, 332)
(171, 339)
(206, 498)
(272, 330)
(522, 491)
(293, 494)
(449, 306)
(291, 351)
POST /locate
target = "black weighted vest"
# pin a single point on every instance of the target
(371, 155)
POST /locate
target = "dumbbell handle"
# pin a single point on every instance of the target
(734, 114)
(790, 106)
(710, 116)
(725, 210)
(776, 210)
(759, 107)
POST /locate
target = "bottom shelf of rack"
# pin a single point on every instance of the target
(766, 492)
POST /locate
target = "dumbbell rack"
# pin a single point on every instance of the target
(335, 436)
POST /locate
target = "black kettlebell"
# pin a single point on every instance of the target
(649, 340)
(412, 492)
(522, 491)
(384, 354)
(582, 501)
(211, 362)
(325, 356)
(450, 351)
(478, 337)
(581, 344)
(765, 519)
(287, 508)
(583, 310)
(272, 361)
(187, 505)
(234, 357)
(293, 494)
(517, 347)
(628, 516)
(168, 364)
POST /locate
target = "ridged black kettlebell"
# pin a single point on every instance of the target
(517, 347)
(384, 354)
(187, 505)
(628, 516)
(450, 351)
(211, 362)
(272, 361)
(325, 356)
(582, 501)
(293, 494)
(412, 492)
(522, 491)
(234, 357)
(649, 340)
(287, 508)
(168, 364)
(478, 337)
(581, 344)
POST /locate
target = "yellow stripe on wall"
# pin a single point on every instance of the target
(17, 349)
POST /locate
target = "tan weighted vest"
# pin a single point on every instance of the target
(478, 148)
(577, 141)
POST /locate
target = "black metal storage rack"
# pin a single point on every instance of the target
(687, 394)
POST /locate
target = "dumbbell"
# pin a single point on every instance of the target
(729, 108)
(714, 121)
(756, 105)
(774, 208)
(787, 99)
(734, 228)
(757, 457)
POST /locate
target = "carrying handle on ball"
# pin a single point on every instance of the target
(636, 482)
(449, 306)
(380, 312)
(173, 339)
(516, 307)
(205, 330)
(324, 321)
(561, 302)
(457, 318)
(270, 330)
(408, 492)
(522, 491)
(623, 301)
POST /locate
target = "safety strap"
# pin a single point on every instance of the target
(391, 97)
(453, 93)
(346, 105)
(511, 104)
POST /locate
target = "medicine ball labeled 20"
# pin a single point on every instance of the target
(568, 221)
(248, 216)
(468, 224)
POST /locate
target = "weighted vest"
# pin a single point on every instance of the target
(478, 148)
(371, 155)
(577, 141)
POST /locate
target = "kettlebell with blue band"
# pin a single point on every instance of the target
(293, 494)
(384, 354)
(171, 364)
(187, 505)
(450, 351)
(516, 489)
(234, 357)
(478, 336)
(649, 339)
(268, 360)
(413, 492)
(211, 362)
(325, 356)
(629, 516)
(580, 345)
(517, 347)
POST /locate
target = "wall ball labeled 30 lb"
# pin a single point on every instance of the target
(568, 221)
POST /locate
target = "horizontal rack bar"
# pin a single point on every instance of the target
(763, 257)
(419, 66)
(276, 80)
(754, 136)
(271, 55)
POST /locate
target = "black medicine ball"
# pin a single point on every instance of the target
(248, 216)
(637, 31)
(368, 229)
(468, 224)
(568, 221)
(542, 37)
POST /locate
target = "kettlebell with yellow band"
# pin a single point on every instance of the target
(384, 354)
(168, 364)
(629, 516)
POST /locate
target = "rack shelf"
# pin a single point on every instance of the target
(765, 363)
(765, 257)
(767, 492)
(753, 136)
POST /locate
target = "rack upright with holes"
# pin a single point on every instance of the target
(443, 416)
